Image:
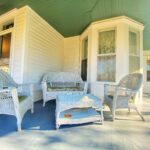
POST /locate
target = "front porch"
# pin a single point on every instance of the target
(39, 131)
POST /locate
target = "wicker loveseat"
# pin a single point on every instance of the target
(55, 83)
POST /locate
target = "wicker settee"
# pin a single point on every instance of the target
(55, 83)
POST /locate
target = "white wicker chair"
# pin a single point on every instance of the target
(61, 78)
(124, 94)
(14, 99)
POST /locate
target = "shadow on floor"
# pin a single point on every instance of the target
(42, 119)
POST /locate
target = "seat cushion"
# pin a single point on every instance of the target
(63, 89)
(63, 86)
(22, 98)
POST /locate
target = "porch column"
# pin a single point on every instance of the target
(122, 51)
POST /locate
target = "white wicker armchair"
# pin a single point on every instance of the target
(14, 99)
(55, 83)
(124, 94)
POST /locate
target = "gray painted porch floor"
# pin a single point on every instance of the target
(128, 132)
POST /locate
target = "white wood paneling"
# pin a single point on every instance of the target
(19, 45)
(71, 58)
(44, 48)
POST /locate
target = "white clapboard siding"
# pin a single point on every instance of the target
(18, 45)
(44, 48)
(71, 54)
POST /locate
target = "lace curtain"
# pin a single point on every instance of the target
(134, 64)
(107, 42)
(106, 65)
(134, 52)
(106, 68)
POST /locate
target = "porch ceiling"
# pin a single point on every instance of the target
(71, 17)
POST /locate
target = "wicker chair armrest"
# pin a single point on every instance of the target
(109, 87)
(127, 91)
(44, 86)
(117, 90)
(9, 94)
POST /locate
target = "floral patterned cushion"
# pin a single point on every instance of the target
(63, 89)
(22, 98)
(63, 86)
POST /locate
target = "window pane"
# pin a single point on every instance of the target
(85, 48)
(148, 75)
(107, 42)
(133, 43)
(106, 68)
(84, 59)
(5, 41)
(148, 70)
(134, 52)
(134, 64)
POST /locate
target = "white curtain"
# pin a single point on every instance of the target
(106, 65)
(134, 52)
(107, 42)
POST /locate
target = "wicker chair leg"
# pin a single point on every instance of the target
(32, 110)
(140, 114)
(19, 125)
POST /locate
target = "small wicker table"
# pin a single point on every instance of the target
(78, 109)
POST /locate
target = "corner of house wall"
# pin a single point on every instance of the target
(71, 59)
(63, 54)
(26, 42)
(24, 11)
